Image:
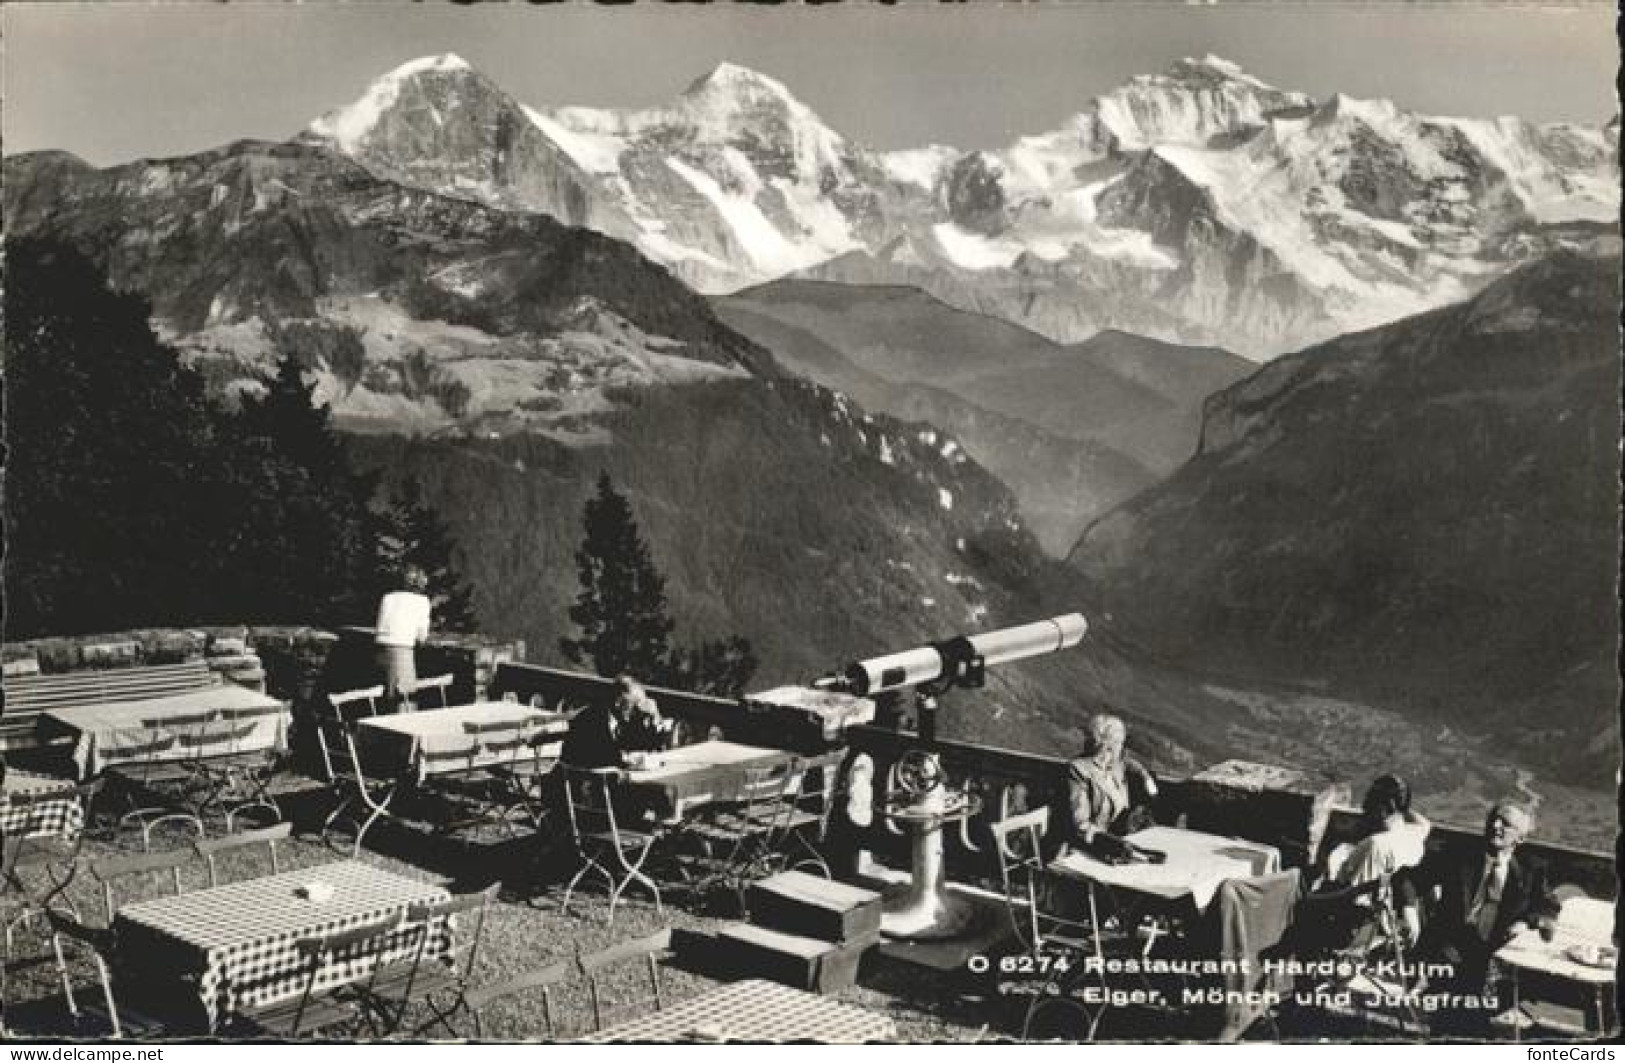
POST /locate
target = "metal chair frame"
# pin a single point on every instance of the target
(597, 835)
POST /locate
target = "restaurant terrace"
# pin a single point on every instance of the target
(222, 833)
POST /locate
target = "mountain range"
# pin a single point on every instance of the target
(1422, 515)
(1200, 205)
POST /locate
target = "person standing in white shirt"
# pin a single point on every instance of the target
(403, 622)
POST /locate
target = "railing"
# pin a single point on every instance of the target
(702, 716)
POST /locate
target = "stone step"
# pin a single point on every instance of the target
(795, 902)
(799, 962)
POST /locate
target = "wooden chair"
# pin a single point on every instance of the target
(98, 945)
(476, 1001)
(650, 949)
(108, 872)
(601, 844)
(361, 950)
(438, 982)
(344, 702)
(442, 683)
(211, 848)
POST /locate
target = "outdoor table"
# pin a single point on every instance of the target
(756, 1011)
(98, 730)
(711, 772)
(417, 745)
(1197, 864)
(235, 946)
(52, 808)
(1527, 957)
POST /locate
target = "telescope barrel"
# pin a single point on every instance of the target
(894, 671)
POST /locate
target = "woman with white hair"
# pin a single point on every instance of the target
(1100, 780)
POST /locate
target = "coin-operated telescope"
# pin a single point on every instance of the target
(961, 661)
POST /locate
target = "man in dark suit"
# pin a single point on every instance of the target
(601, 735)
(1479, 903)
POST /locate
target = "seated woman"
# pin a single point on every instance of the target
(1346, 911)
(1396, 837)
(1108, 791)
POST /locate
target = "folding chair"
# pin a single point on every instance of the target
(359, 799)
(212, 848)
(37, 864)
(601, 844)
(1057, 940)
(108, 872)
(345, 702)
(145, 768)
(477, 1001)
(438, 982)
(361, 950)
(442, 683)
(651, 949)
(1367, 915)
(248, 775)
(99, 946)
(745, 842)
(1029, 890)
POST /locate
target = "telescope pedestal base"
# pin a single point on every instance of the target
(936, 917)
(927, 912)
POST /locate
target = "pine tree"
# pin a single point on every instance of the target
(415, 537)
(305, 545)
(622, 616)
(621, 609)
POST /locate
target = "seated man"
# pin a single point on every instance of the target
(1477, 904)
(602, 735)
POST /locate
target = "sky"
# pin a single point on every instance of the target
(118, 81)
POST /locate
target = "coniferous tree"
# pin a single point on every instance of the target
(621, 609)
(110, 499)
(622, 616)
(415, 537)
(306, 542)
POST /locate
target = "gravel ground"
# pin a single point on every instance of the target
(525, 930)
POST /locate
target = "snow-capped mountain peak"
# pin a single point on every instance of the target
(1199, 204)
(348, 126)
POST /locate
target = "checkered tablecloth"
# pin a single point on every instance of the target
(756, 1011)
(460, 738)
(235, 946)
(100, 731)
(38, 806)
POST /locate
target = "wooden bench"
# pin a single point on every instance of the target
(26, 697)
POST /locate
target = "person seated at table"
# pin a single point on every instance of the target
(603, 734)
(1345, 908)
(1477, 904)
(1108, 791)
(1394, 837)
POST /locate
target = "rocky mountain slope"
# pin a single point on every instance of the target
(1072, 430)
(1425, 514)
(1199, 205)
(415, 311)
